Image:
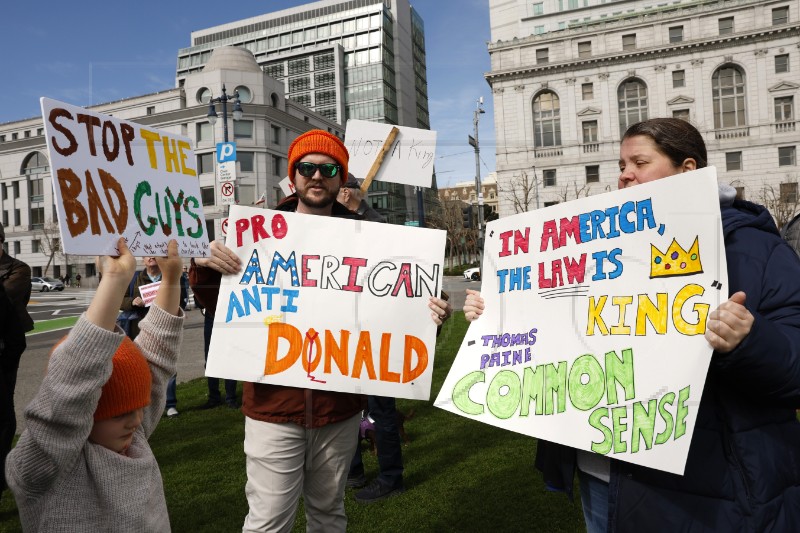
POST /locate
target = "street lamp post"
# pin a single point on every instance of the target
(237, 115)
(478, 193)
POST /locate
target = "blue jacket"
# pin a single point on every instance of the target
(743, 468)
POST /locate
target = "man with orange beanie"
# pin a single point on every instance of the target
(297, 441)
(83, 462)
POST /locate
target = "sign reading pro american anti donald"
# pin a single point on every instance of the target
(593, 333)
(328, 303)
(116, 178)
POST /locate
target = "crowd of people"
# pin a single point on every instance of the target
(83, 462)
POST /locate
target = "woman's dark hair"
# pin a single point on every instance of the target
(676, 138)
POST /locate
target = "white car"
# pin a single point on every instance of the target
(46, 284)
(473, 274)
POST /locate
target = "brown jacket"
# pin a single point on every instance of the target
(277, 403)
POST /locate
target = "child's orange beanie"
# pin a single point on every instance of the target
(128, 388)
(318, 142)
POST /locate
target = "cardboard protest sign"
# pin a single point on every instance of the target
(116, 178)
(593, 333)
(287, 186)
(409, 161)
(328, 303)
(149, 292)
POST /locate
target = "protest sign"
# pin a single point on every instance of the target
(149, 293)
(287, 186)
(328, 303)
(116, 178)
(409, 160)
(593, 332)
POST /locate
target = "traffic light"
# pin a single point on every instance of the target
(466, 216)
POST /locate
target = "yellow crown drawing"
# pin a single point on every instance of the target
(675, 261)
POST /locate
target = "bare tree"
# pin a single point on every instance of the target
(521, 191)
(577, 192)
(462, 243)
(783, 203)
(49, 238)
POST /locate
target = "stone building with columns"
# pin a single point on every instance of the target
(569, 76)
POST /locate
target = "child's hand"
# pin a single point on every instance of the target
(117, 274)
(171, 266)
(118, 268)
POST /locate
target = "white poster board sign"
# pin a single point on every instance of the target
(149, 293)
(287, 186)
(592, 335)
(116, 178)
(328, 303)
(409, 160)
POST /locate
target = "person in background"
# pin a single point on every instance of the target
(15, 292)
(83, 462)
(185, 288)
(743, 468)
(77, 280)
(352, 198)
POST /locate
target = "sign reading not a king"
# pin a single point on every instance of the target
(226, 161)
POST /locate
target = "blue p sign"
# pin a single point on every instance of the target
(226, 152)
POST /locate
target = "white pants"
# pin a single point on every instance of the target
(286, 460)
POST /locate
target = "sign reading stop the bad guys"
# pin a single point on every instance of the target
(116, 178)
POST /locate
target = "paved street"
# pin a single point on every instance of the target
(73, 301)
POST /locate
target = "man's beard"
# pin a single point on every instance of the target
(314, 199)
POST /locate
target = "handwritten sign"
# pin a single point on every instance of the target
(328, 303)
(287, 186)
(593, 333)
(149, 292)
(409, 160)
(116, 178)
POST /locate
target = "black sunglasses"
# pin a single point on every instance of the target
(307, 170)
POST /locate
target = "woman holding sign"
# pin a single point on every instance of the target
(743, 468)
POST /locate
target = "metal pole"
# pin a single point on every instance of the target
(478, 192)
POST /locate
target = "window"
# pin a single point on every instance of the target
(36, 246)
(14, 136)
(682, 114)
(537, 9)
(784, 108)
(726, 26)
(5, 217)
(39, 132)
(676, 34)
(787, 156)
(593, 174)
(789, 193)
(15, 187)
(733, 161)
(781, 63)
(629, 42)
(17, 217)
(729, 97)
(17, 248)
(546, 120)
(36, 188)
(207, 195)
(245, 160)
(590, 131)
(205, 163)
(585, 49)
(632, 99)
(204, 131)
(276, 165)
(242, 129)
(542, 56)
(780, 15)
(36, 163)
(151, 110)
(538, 30)
(549, 178)
(678, 78)
(276, 134)
(587, 91)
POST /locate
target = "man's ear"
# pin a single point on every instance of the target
(689, 164)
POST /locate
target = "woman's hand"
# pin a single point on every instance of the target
(222, 259)
(729, 324)
(473, 305)
(441, 310)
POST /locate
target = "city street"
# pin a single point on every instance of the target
(72, 302)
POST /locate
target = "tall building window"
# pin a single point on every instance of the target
(36, 163)
(37, 217)
(207, 195)
(789, 192)
(629, 41)
(682, 114)
(276, 165)
(204, 131)
(585, 49)
(589, 131)
(205, 163)
(678, 78)
(593, 174)
(781, 63)
(787, 156)
(728, 88)
(542, 56)
(549, 177)
(632, 98)
(733, 161)
(537, 9)
(276, 134)
(780, 15)
(242, 129)
(676, 34)
(784, 108)
(587, 91)
(546, 120)
(245, 160)
(36, 246)
(725, 26)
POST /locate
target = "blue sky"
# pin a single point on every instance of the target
(90, 52)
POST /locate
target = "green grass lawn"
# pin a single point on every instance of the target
(460, 475)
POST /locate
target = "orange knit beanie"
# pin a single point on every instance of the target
(318, 142)
(128, 388)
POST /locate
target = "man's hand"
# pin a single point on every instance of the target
(441, 310)
(729, 324)
(222, 259)
(473, 305)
